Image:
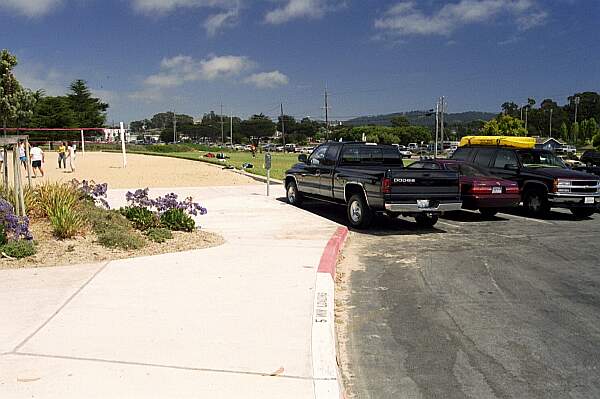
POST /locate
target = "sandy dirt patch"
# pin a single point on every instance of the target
(85, 249)
(142, 171)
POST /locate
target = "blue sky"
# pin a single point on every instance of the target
(147, 56)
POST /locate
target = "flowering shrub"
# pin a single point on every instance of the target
(164, 204)
(93, 191)
(173, 214)
(15, 227)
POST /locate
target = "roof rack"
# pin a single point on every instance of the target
(498, 141)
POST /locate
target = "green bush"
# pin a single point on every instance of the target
(102, 220)
(121, 238)
(19, 249)
(141, 218)
(112, 228)
(66, 221)
(177, 220)
(159, 235)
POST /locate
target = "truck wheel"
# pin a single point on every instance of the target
(488, 213)
(426, 220)
(582, 213)
(359, 214)
(536, 203)
(292, 194)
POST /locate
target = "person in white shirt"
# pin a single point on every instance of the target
(71, 156)
(37, 159)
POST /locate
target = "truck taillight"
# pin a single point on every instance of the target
(386, 185)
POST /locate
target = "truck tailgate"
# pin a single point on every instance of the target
(424, 184)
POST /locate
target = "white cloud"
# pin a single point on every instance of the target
(30, 8)
(36, 78)
(162, 6)
(216, 22)
(267, 80)
(177, 70)
(293, 9)
(404, 18)
(149, 95)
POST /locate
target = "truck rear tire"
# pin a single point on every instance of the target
(358, 212)
(426, 220)
(292, 194)
(582, 213)
(536, 203)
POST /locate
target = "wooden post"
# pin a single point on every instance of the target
(28, 154)
(16, 178)
(82, 143)
(5, 170)
(21, 193)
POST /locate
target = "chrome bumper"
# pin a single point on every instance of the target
(573, 199)
(414, 208)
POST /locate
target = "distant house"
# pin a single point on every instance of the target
(550, 144)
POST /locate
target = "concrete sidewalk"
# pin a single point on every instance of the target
(213, 323)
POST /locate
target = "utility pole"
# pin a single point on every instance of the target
(577, 100)
(443, 110)
(231, 127)
(282, 126)
(326, 113)
(551, 122)
(526, 113)
(437, 126)
(222, 126)
(174, 126)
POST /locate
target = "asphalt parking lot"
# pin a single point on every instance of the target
(474, 308)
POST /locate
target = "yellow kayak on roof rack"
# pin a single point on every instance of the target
(499, 141)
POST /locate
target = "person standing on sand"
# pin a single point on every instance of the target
(71, 156)
(23, 154)
(62, 155)
(37, 159)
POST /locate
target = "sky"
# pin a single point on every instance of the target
(374, 57)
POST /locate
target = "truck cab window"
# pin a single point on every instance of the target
(317, 157)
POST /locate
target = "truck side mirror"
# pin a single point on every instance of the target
(302, 158)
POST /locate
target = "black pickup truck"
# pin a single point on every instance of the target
(370, 179)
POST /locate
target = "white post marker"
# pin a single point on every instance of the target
(122, 131)
(82, 143)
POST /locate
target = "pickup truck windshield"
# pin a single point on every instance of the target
(540, 159)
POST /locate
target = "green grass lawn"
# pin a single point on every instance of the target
(280, 162)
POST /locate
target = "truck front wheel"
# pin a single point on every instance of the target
(292, 194)
(427, 220)
(536, 203)
(359, 213)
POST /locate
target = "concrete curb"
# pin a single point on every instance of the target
(327, 381)
(260, 178)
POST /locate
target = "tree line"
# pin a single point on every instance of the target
(575, 122)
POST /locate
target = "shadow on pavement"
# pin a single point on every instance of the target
(382, 224)
(564, 215)
(472, 217)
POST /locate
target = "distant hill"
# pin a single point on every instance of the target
(418, 118)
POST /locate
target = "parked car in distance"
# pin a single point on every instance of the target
(479, 189)
(370, 179)
(413, 146)
(591, 162)
(567, 149)
(543, 178)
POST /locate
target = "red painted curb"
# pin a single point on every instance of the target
(330, 254)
